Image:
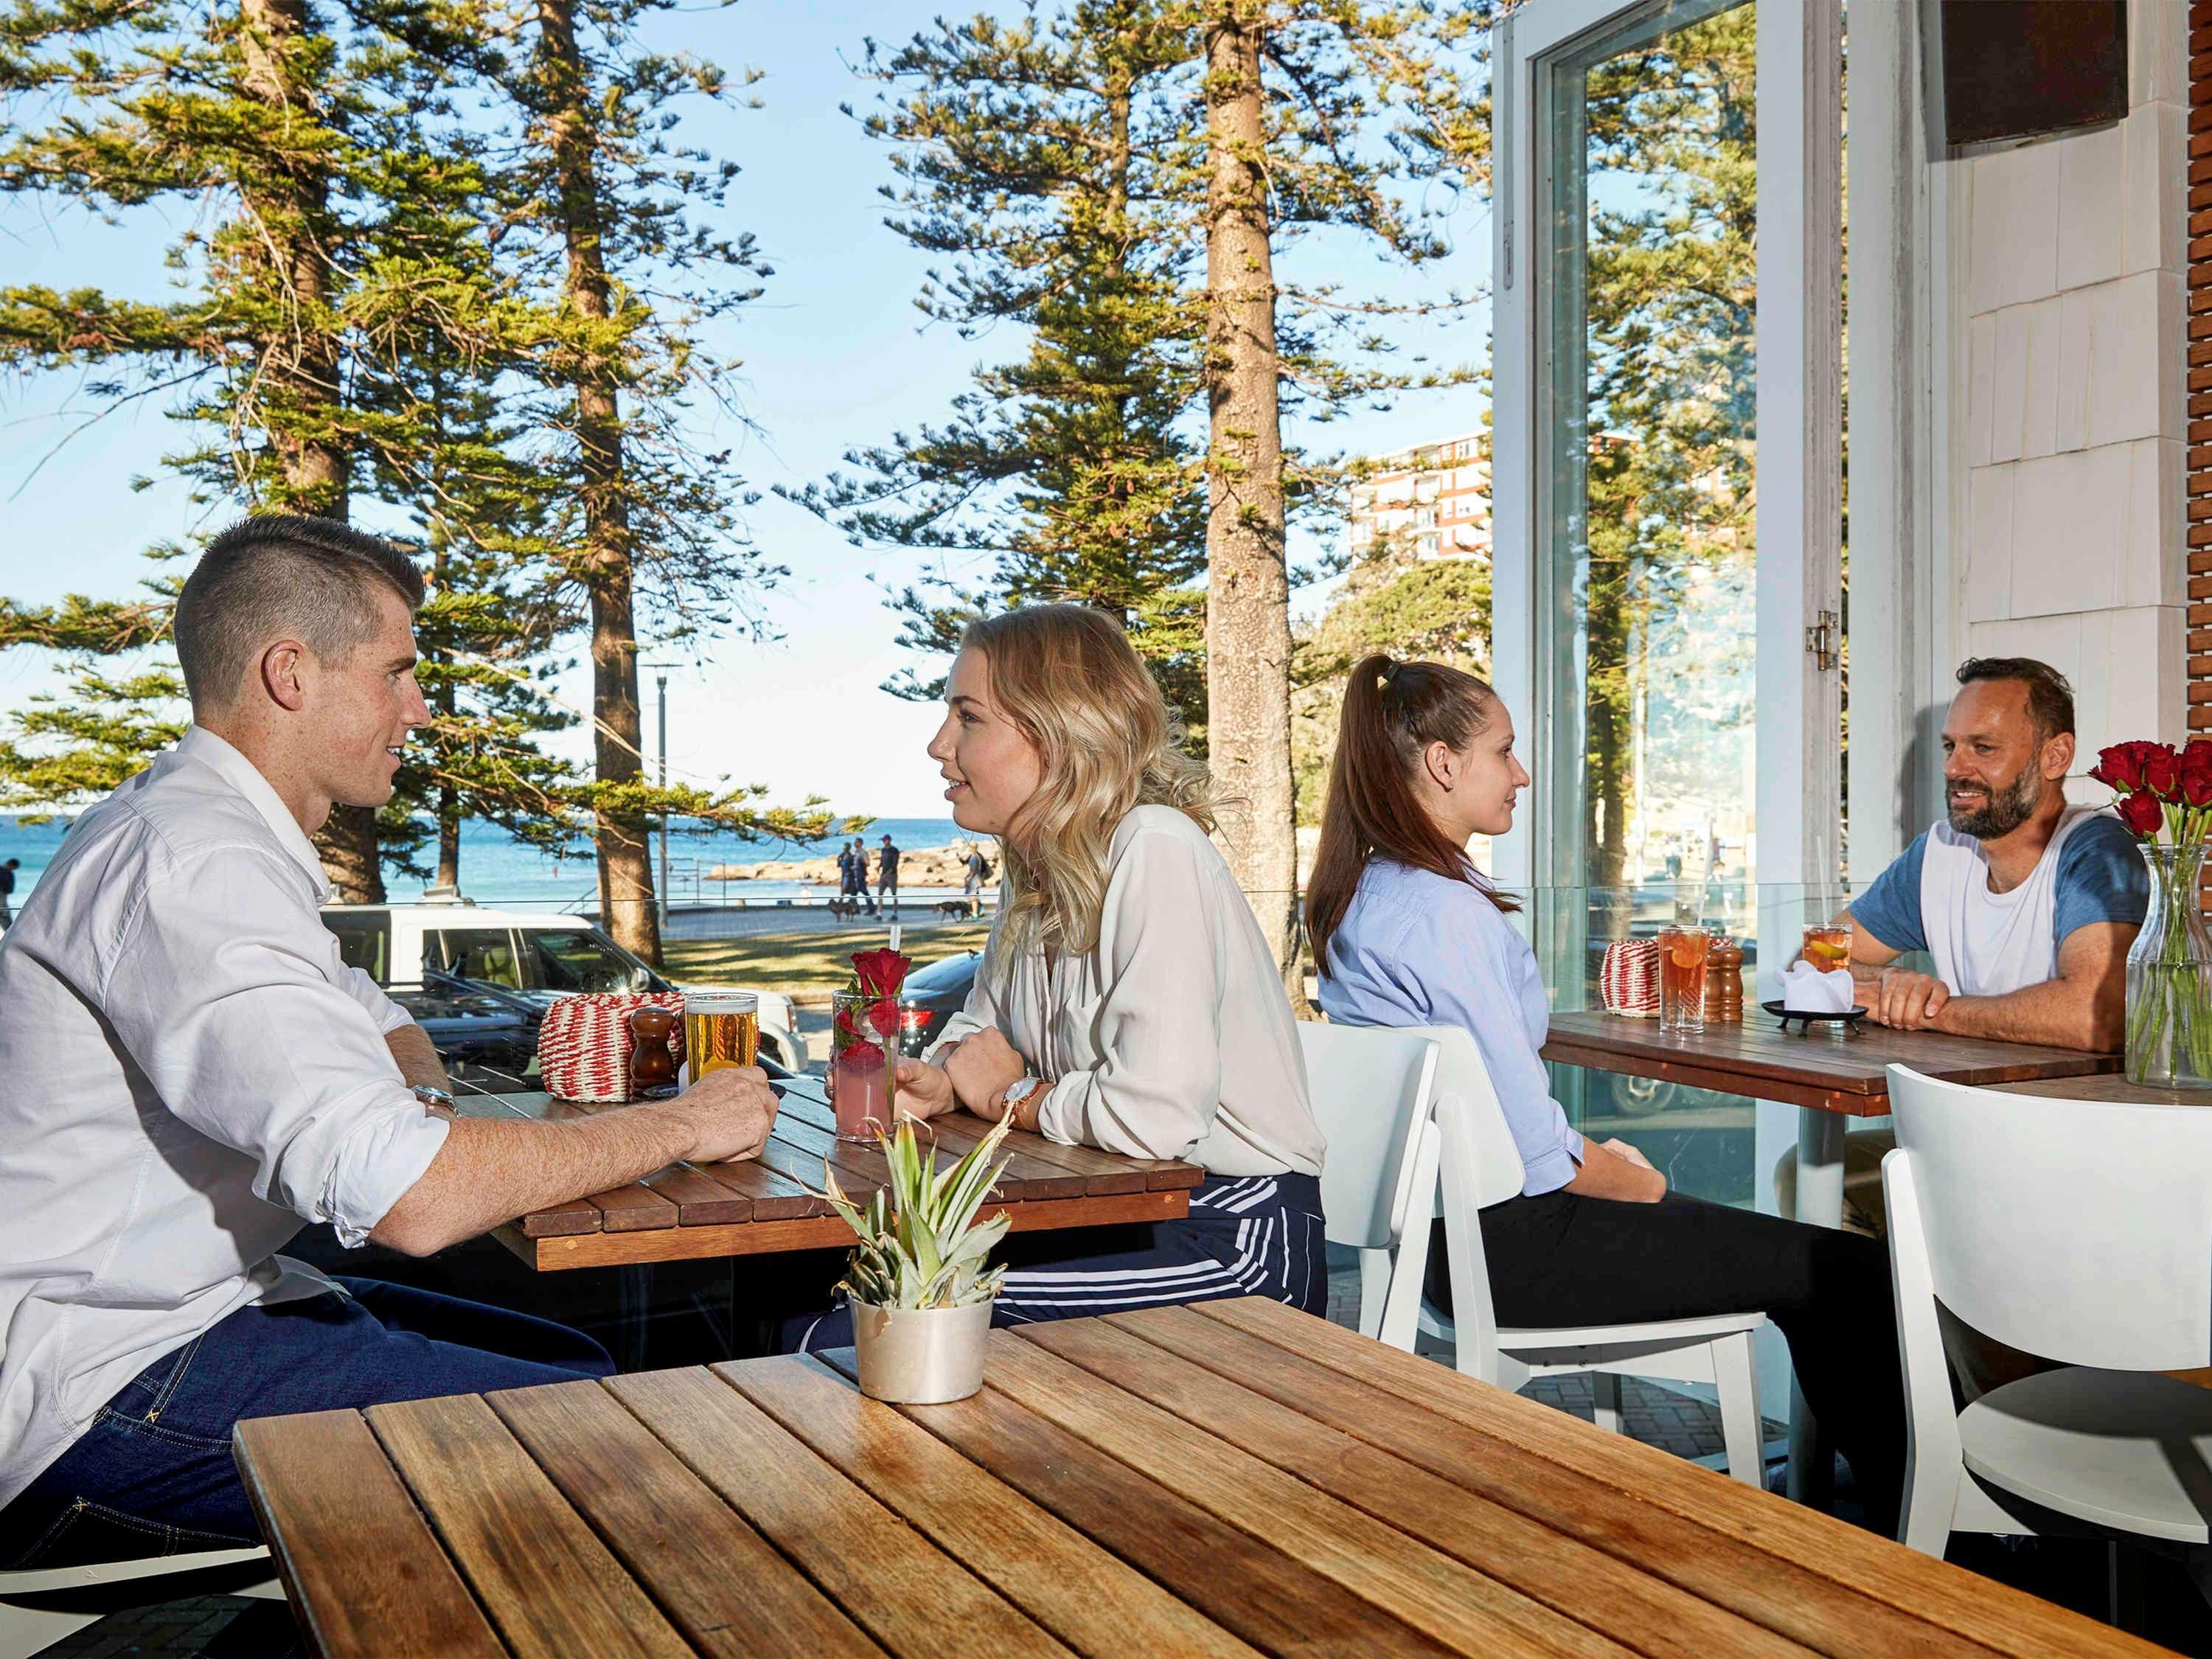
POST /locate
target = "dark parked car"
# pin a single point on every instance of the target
(941, 991)
(485, 1037)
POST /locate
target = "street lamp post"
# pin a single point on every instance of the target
(660, 684)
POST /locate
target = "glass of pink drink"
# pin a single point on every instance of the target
(868, 1036)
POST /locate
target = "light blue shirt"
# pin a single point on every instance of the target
(1415, 948)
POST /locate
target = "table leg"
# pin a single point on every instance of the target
(1821, 1202)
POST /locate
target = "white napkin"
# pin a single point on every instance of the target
(1807, 990)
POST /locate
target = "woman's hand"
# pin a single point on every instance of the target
(983, 1066)
(924, 1090)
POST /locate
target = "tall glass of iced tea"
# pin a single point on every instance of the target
(1682, 954)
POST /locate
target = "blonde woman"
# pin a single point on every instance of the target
(1127, 1000)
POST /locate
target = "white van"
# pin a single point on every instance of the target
(539, 956)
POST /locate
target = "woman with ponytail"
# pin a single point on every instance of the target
(1407, 933)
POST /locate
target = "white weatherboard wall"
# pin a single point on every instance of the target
(2068, 329)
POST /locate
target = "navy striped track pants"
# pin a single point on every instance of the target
(1245, 1235)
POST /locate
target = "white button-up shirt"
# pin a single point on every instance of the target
(1171, 1037)
(191, 1074)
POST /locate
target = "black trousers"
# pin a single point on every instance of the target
(1562, 1259)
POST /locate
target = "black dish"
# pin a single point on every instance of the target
(1807, 1021)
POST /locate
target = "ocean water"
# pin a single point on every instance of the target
(497, 869)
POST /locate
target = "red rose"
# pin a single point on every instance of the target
(2161, 772)
(884, 1016)
(2196, 774)
(2120, 766)
(881, 972)
(2142, 813)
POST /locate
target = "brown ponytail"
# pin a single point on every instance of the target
(1392, 711)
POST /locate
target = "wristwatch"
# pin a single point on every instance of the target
(438, 1100)
(1020, 1090)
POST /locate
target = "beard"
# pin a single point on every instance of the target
(2005, 811)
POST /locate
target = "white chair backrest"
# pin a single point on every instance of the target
(2079, 1230)
(1489, 1162)
(1371, 1085)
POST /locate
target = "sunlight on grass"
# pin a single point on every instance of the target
(793, 962)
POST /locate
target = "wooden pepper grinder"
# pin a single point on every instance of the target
(1724, 983)
(652, 1063)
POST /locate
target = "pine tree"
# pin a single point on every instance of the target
(1079, 169)
(1034, 158)
(617, 276)
(1294, 92)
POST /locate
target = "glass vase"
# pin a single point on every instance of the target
(2170, 978)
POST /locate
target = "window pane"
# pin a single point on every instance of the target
(569, 960)
(1646, 552)
(364, 941)
(482, 953)
(1650, 487)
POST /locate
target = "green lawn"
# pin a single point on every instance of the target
(797, 962)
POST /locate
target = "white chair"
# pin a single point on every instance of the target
(2080, 1232)
(1469, 1141)
(1371, 1087)
(84, 1593)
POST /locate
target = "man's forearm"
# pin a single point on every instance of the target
(417, 1061)
(2057, 1012)
(489, 1171)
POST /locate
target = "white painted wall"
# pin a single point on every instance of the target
(2069, 339)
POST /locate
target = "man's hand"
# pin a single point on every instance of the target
(728, 1114)
(983, 1066)
(1907, 1001)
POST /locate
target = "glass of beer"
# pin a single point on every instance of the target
(721, 1028)
(1682, 954)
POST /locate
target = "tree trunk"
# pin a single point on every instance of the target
(626, 897)
(298, 363)
(1248, 617)
(443, 701)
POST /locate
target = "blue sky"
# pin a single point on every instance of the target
(833, 354)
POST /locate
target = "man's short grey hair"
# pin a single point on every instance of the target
(279, 575)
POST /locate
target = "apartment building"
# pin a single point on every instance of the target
(1431, 499)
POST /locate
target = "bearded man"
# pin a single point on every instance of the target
(2025, 905)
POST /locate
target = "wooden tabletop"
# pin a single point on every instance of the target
(1832, 1067)
(692, 1211)
(2113, 1086)
(1222, 1479)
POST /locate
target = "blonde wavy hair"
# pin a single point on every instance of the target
(1069, 680)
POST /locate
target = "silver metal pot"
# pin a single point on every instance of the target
(920, 1356)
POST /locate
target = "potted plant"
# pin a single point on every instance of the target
(920, 1282)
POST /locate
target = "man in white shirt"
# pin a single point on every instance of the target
(193, 1075)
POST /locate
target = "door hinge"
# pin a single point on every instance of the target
(1822, 641)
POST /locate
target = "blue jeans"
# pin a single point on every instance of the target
(154, 1474)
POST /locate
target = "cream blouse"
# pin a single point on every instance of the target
(1172, 1037)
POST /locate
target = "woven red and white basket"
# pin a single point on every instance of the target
(583, 1046)
(1628, 981)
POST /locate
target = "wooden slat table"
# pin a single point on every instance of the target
(690, 1212)
(1828, 1069)
(1226, 1478)
(2113, 1086)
